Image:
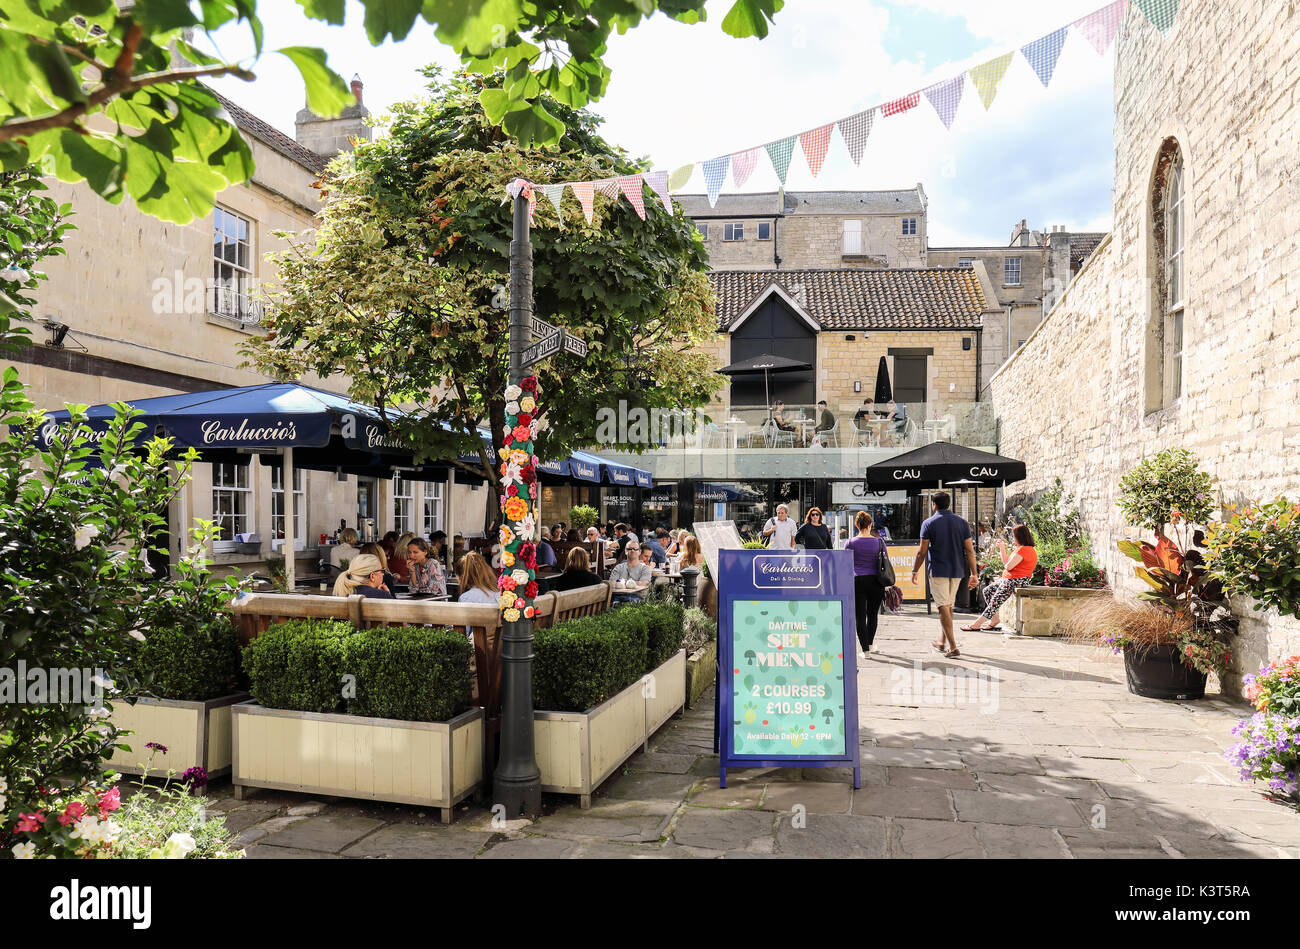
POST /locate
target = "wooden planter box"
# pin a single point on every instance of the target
(701, 672)
(436, 764)
(1044, 611)
(577, 751)
(195, 734)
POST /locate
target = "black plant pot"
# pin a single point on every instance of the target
(1160, 673)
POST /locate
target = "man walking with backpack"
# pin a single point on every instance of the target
(946, 541)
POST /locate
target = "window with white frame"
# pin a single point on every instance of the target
(1175, 227)
(277, 510)
(764, 230)
(232, 266)
(232, 499)
(852, 238)
(965, 261)
(1011, 271)
(403, 505)
(733, 231)
(909, 227)
(432, 508)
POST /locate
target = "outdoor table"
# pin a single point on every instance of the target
(733, 427)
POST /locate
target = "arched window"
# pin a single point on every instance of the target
(1169, 207)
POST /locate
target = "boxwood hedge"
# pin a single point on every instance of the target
(583, 662)
(191, 663)
(413, 674)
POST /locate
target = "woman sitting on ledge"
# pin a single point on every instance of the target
(1018, 572)
(364, 576)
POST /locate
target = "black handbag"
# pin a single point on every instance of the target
(885, 567)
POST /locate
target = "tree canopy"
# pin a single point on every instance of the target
(113, 95)
(403, 286)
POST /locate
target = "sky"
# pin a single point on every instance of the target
(683, 94)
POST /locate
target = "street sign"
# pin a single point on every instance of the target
(543, 350)
(787, 654)
(574, 345)
(543, 329)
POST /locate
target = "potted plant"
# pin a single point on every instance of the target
(1255, 552)
(378, 714)
(582, 516)
(602, 685)
(1269, 749)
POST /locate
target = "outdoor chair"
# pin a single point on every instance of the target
(865, 438)
(781, 437)
(828, 437)
(712, 437)
(762, 438)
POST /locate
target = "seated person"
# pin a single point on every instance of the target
(364, 576)
(345, 549)
(655, 547)
(397, 562)
(545, 552)
(376, 551)
(633, 570)
(779, 417)
(478, 584)
(426, 571)
(825, 423)
(577, 572)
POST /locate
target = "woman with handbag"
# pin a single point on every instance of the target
(872, 575)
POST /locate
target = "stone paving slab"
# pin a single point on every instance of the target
(1056, 761)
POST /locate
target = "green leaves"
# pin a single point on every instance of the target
(327, 93)
(750, 17)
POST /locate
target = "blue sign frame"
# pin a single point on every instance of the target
(817, 575)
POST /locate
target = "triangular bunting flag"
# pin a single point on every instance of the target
(1100, 27)
(677, 180)
(989, 76)
(658, 182)
(608, 187)
(742, 165)
(1042, 54)
(584, 191)
(899, 106)
(631, 186)
(945, 97)
(781, 153)
(1160, 12)
(556, 194)
(814, 144)
(854, 130)
(715, 173)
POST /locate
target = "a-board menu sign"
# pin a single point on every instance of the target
(787, 661)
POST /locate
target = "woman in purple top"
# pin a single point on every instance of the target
(868, 591)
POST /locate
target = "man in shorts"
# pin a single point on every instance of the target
(946, 540)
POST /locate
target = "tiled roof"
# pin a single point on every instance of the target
(930, 298)
(1081, 248)
(805, 202)
(272, 137)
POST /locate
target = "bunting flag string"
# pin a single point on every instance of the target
(742, 166)
(780, 154)
(1042, 55)
(855, 130)
(814, 144)
(945, 97)
(989, 76)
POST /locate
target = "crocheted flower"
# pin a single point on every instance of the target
(527, 404)
(528, 384)
(521, 434)
(525, 419)
(530, 591)
(516, 509)
(506, 536)
(505, 582)
(528, 475)
(520, 576)
(512, 408)
(507, 600)
(508, 559)
(513, 392)
(511, 615)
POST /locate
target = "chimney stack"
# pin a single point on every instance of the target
(328, 137)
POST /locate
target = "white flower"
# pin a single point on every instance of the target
(136, 634)
(513, 475)
(4, 801)
(156, 853)
(178, 846)
(85, 534)
(512, 408)
(526, 527)
(513, 392)
(4, 785)
(519, 576)
(25, 851)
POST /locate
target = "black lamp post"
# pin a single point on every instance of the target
(517, 780)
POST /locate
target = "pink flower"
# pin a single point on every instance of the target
(108, 802)
(30, 823)
(75, 811)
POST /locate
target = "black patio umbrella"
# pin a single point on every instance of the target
(766, 364)
(884, 392)
(944, 463)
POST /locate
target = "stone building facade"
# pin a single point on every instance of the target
(801, 230)
(1182, 329)
(153, 308)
